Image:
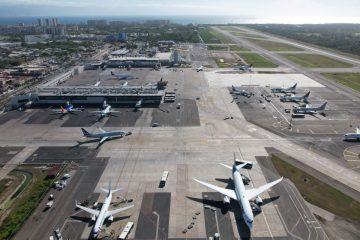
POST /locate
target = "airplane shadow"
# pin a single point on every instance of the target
(233, 207)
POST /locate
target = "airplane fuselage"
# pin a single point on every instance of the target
(113, 134)
(282, 90)
(101, 218)
(242, 200)
(292, 99)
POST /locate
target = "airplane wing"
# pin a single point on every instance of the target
(227, 166)
(103, 140)
(89, 210)
(252, 193)
(102, 130)
(57, 111)
(227, 192)
(116, 211)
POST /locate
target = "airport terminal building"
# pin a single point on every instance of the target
(91, 96)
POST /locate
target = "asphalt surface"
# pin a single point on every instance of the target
(7, 153)
(10, 115)
(126, 117)
(168, 115)
(59, 155)
(154, 216)
(219, 223)
(81, 185)
(42, 117)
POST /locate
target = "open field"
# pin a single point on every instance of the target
(275, 46)
(315, 61)
(223, 64)
(229, 28)
(247, 35)
(351, 80)
(237, 48)
(257, 60)
(319, 193)
(209, 35)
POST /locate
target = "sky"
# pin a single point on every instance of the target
(283, 11)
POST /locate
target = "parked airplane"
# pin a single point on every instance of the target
(240, 194)
(69, 108)
(241, 92)
(104, 212)
(122, 76)
(352, 136)
(201, 68)
(25, 103)
(105, 112)
(310, 110)
(97, 84)
(245, 67)
(294, 98)
(138, 104)
(284, 90)
(104, 135)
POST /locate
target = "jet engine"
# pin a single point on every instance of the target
(93, 218)
(258, 200)
(111, 218)
(226, 200)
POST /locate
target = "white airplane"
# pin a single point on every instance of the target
(122, 76)
(201, 68)
(309, 110)
(295, 98)
(138, 104)
(105, 112)
(97, 84)
(104, 135)
(104, 213)
(284, 90)
(352, 136)
(240, 194)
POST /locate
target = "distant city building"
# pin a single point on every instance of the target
(120, 37)
(31, 39)
(47, 22)
(97, 23)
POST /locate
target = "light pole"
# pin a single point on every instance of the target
(157, 224)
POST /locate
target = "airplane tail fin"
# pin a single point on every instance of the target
(358, 130)
(250, 65)
(307, 95)
(86, 133)
(238, 167)
(112, 73)
(293, 87)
